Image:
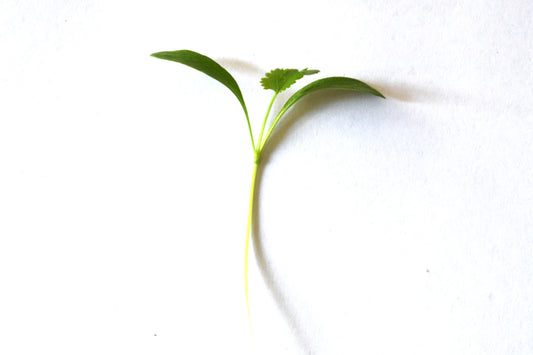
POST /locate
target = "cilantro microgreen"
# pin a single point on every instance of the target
(277, 80)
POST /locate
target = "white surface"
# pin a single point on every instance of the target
(398, 226)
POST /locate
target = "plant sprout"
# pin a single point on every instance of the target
(276, 80)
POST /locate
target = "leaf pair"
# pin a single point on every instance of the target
(276, 80)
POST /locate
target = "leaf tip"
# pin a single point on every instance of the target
(156, 55)
(309, 71)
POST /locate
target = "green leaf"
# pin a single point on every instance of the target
(334, 82)
(281, 79)
(207, 66)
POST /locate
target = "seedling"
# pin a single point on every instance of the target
(276, 80)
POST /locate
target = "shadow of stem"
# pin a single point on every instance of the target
(306, 105)
(267, 273)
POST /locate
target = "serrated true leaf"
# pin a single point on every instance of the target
(207, 66)
(281, 79)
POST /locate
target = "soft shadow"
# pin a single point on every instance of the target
(232, 64)
(266, 272)
(405, 92)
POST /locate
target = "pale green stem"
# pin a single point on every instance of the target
(250, 128)
(261, 145)
(265, 121)
(257, 157)
(247, 244)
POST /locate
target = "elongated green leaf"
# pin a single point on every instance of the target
(207, 66)
(281, 79)
(334, 82)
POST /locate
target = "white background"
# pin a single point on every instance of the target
(397, 226)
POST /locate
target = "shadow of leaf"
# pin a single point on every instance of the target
(406, 92)
(233, 64)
